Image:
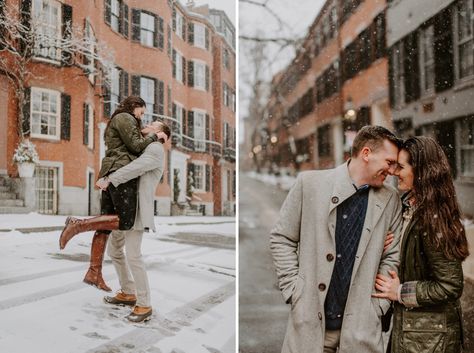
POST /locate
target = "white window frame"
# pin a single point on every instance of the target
(179, 66)
(147, 30)
(150, 102)
(90, 127)
(114, 88)
(199, 130)
(51, 52)
(465, 147)
(426, 42)
(226, 95)
(179, 24)
(199, 80)
(179, 116)
(202, 176)
(199, 35)
(42, 187)
(115, 14)
(466, 40)
(34, 112)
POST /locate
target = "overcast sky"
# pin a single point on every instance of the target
(227, 5)
(255, 20)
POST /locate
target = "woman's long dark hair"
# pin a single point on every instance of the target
(437, 207)
(128, 105)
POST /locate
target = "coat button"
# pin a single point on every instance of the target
(320, 316)
(335, 199)
(329, 257)
(322, 287)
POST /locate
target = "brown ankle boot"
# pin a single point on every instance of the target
(94, 274)
(121, 298)
(75, 226)
(140, 314)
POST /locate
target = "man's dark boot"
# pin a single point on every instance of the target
(75, 226)
(121, 298)
(94, 274)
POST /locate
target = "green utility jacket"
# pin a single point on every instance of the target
(124, 143)
(430, 320)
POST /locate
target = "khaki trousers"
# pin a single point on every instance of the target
(331, 341)
(129, 265)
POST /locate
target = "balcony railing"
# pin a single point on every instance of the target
(229, 153)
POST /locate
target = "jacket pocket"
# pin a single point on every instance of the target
(299, 285)
(424, 332)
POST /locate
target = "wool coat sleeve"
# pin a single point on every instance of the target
(131, 135)
(284, 240)
(444, 284)
(152, 158)
(391, 257)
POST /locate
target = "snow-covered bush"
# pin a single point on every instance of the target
(26, 153)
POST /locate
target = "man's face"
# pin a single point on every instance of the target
(380, 163)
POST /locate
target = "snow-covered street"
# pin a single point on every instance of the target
(46, 308)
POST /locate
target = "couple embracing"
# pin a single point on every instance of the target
(348, 249)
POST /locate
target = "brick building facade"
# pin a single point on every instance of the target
(167, 53)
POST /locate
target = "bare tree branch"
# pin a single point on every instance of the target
(282, 41)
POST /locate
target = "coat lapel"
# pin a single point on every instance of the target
(378, 200)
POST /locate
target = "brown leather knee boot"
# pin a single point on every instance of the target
(75, 226)
(94, 274)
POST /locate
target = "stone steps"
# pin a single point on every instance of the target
(9, 203)
(13, 209)
(9, 199)
(5, 195)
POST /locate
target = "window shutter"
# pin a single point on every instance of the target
(207, 78)
(65, 116)
(391, 77)
(25, 20)
(26, 126)
(170, 101)
(135, 85)
(207, 38)
(174, 19)
(155, 34)
(411, 67)
(173, 110)
(125, 20)
(234, 183)
(161, 33)
(443, 50)
(183, 30)
(184, 122)
(66, 55)
(123, 84)
(183, 60)
(107, 11)
(161, 97)
(191, 33)
(190, 124)
(190, 73)
(174, 64)
(156, 106)
(135, 25)
(169, 41)
(208, 126)
(107, 104)
(85, 107)
(208, 178)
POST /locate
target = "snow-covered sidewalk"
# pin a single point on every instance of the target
(45, 306)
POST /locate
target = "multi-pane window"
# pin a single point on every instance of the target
(147, 29)
(47, 13)
(179, 67)
(45, 113)
(427, 58)
(199, 177)
(179, 24)
(114, 89)
(226, 94)
(199, 35)
(226, 58)
(467, 146)
(115, 14)
(46, 180)
(199, 131)
(147, 93)
(179, 117)
(199, 75)
(465, 20)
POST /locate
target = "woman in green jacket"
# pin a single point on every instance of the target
(125, 143)
(426, 292)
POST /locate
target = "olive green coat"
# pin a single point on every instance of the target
(431, 321)
(124, 143)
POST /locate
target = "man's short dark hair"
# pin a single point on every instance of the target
(373, 137)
